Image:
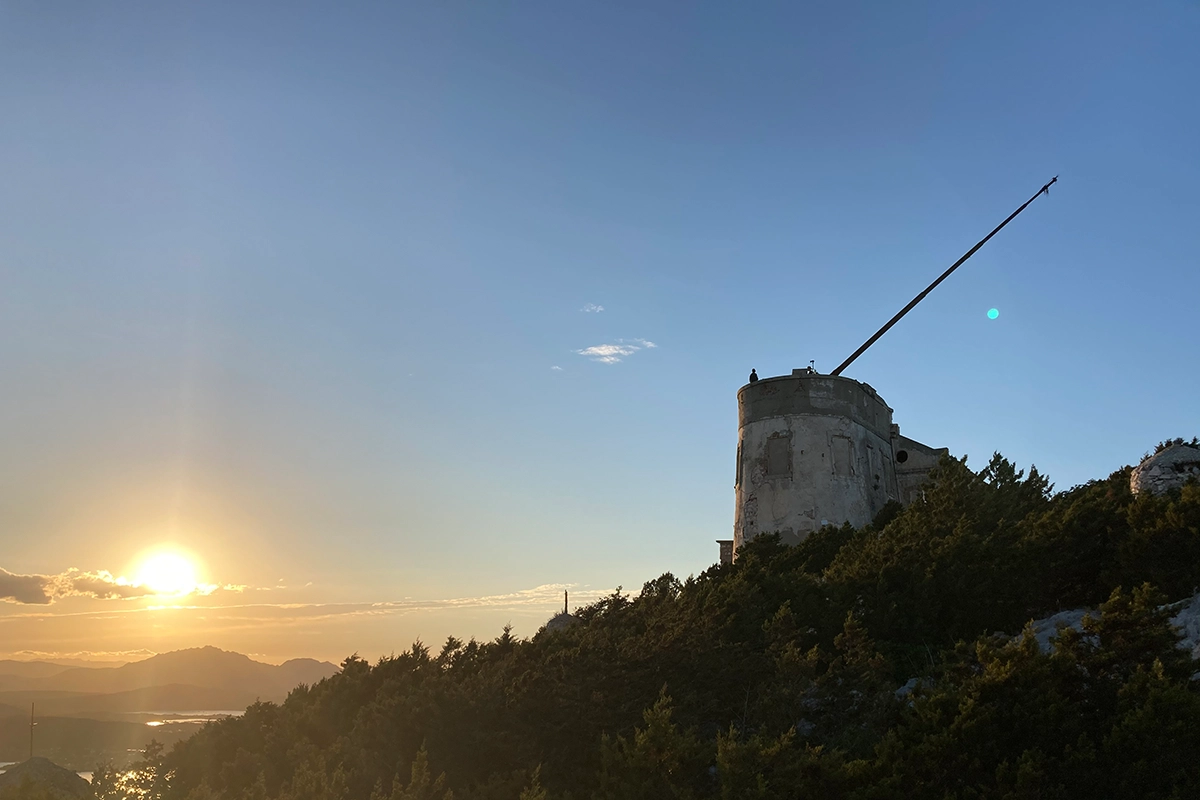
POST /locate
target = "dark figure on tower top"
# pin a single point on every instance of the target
(753, 375)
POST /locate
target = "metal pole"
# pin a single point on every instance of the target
(32, 706)
(1044, 190)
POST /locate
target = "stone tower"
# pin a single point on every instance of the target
(819, 450)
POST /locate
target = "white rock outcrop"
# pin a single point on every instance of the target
(560, 621)
(1186, 621)
(1167, 469)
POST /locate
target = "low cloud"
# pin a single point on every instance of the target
(556, 368)
(81, 656)
(592, 308)
(548, 595)
(101, 584)
(617, 352)
(288, 629)
(30, 589)
(537, 596)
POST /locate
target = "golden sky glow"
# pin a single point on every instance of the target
(271, 623)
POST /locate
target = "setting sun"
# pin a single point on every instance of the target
(167, 573)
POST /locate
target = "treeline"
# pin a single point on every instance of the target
(784, 675)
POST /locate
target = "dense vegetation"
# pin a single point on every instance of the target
(777, 676)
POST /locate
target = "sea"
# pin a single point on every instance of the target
(158, 718)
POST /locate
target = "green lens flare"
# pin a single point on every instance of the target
(993, 313)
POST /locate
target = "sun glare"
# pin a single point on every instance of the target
(167, 574)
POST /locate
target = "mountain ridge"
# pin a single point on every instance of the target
(30, 669)
(205, 667)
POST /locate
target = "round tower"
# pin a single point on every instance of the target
(812, 450)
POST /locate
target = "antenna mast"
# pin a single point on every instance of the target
(1044, 190)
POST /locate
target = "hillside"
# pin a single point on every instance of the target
(29, 669)
(44, 776)
(878, 663)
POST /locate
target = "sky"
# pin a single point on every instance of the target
(395, 321)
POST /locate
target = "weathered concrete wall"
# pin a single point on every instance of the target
(1170, 469)
(913, 462)
(814, 450)
(817, 450)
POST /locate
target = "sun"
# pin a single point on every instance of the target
(167, 574)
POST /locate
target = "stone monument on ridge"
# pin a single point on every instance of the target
(818, 450)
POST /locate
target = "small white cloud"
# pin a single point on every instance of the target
(608, 353)
(614, 353)
(592, 308)
(556, 368)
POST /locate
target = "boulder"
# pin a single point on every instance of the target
(1169, 468)
(560, 621)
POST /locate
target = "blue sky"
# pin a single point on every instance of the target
(284, 286)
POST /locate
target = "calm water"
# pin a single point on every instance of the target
(157, 718)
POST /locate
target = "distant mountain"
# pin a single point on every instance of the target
(30, 669)
(92, 662)
(86, 715)
(203, 667)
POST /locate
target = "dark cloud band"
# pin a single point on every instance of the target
(31, 589)
(102, 585)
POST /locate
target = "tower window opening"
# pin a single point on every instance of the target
(779, 456)
(843, 457)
